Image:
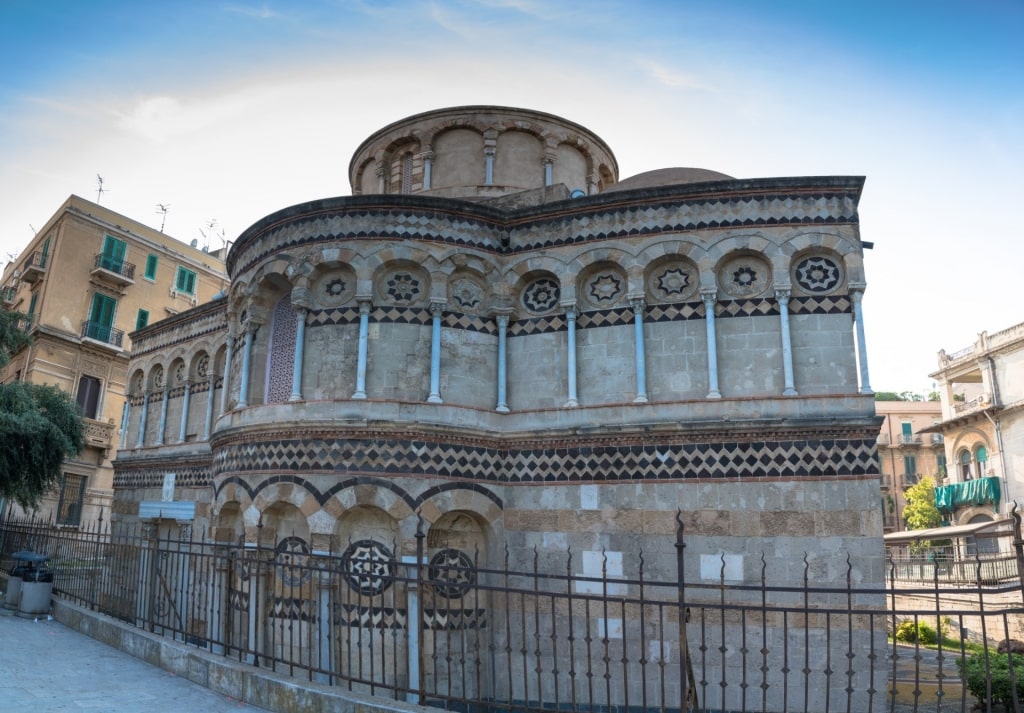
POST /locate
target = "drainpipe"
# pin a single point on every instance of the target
(998, 426)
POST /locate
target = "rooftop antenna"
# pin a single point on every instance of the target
(211, 226)
(162, 208)
(100, 190)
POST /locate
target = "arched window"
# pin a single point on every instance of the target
(406, 184)
(281, 364)
(965, 465)
(981, 457)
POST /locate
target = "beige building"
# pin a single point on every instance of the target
(906, 454)
(87, 280)
(982, 392)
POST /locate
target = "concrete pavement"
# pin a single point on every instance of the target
(49, 668)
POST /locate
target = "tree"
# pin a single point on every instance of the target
(40, 426)
(920, 512)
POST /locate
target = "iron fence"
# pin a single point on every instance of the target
(450, 633)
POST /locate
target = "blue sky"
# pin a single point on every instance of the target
(228, 111)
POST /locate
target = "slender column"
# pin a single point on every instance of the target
(300, 345)
(638, 343)
(229, 354)
(381, 179)
(208, 423)
(243, 394)
(591, 184)
(862, 350)
(142, 420)
(549, 165)
(502, 320)
(126, 412)
(364, 333)
(436, 310)
(787, 345)
(570, 315)
(428, 162)
(489, 167)
(709, 298)
(163, 416)
(184, 412)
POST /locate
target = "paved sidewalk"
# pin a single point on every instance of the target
(50, 668)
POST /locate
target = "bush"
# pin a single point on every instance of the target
(916, 633)
(978, 670)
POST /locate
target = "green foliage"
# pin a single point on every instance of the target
(919, 633)
(901, 396)
(920, 512)
(982, 670)
(40, 426)
(12, 338)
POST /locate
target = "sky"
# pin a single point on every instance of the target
(224, 112)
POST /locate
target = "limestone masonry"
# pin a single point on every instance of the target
(496, 334)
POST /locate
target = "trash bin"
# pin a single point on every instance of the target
(23, 562)
(36, 590)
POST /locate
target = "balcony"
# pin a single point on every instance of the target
(980, 491)
(909, 439)
(910, 479)
(883, 439)
(35, 268)
(98, 434)
(937, 439)
(9, 294)
(114, 271)
(102, 334)
(978, 403)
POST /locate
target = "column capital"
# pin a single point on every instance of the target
(783, 295)
(638, 304)
(302, 298)
(501, 319)
(365, 305)
(709, 297)
(571, 308)
(437, 308)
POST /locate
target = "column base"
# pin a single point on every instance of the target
(359, 395)
(295, 397)
(867, 390)
(434, 399)
(714, 394)
(502, 408)
(790, 392)
(571, 403)
(640, 399)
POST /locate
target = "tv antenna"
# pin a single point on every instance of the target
(211, 226)
(100, 190)
(162, 209)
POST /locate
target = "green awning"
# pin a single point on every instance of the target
(981, 491)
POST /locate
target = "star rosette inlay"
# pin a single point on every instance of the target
(542, 295)
(403, 287)
(605, 288)
(817, 274)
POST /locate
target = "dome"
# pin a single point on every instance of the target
(668, 177)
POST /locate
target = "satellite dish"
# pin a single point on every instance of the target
(578, 193)
(195, 241)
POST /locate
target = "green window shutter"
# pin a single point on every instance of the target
(186, 281)
(44, 253)
(908, 429)
(32, 306)
(151, 261)
(113, 254)
(910, 465)
(142, 320)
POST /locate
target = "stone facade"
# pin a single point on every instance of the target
(527, 371)
(88, 279)
(906, 454)
(982, 394)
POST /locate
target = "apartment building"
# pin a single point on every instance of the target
(906, 454)
(87, 280)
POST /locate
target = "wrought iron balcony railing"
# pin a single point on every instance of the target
(102, 333)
